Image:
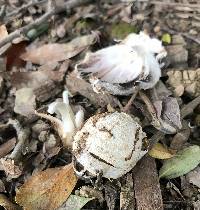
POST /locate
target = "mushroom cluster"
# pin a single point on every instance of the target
(108, 143)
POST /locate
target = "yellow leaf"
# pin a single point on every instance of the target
(160, 152)
(166, 38)
(8, 205)
(47, 189)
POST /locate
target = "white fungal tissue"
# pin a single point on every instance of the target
(66, 123)
(109, 143)
(133, 59)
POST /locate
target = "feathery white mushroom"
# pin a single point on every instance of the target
(109, 143)
(65, 122)
(132, 60)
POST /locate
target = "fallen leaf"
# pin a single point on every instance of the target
(184, 161)
(59, 52)
(25, 103)
(177, 55)
(13, 55)
(75, 202)
(196, 205)
(160, 152)
(168, 111)
(3, 32)
(11, 170)
(45, 82)
(77, 85)
(166, 38)
(194, 177)
(181, 137)
(7, 147)
(8, 205)
(47, 189)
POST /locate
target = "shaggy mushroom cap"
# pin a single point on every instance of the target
(109, 143)
(135, 60)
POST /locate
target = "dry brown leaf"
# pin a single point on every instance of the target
(25, 103)
(11, 170)
(47, 189)
(45, 82)
(6, 147)
(194, 177)
(8, 205)
(160, 152)
(77, 85)
(59, 52)
(3, 32)
(13, 55)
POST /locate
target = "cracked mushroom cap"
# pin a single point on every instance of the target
(109, 143)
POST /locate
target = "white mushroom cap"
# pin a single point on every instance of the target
(111, 143)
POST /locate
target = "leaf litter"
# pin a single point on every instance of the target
(56, 42)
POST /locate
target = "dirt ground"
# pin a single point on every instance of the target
(41, 43)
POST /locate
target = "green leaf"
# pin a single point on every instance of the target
(75, 202)
(184, 161)
(166, 38)
(121, 30)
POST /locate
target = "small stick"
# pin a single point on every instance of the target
(127, 106)
(23, 30)
(149, 105)
(189, 108)
(173, 4)
(22, 135)
(25, 7)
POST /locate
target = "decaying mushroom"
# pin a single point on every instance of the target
(108, 143)
(120, 68)
(66, 123)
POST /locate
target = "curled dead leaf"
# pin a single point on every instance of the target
(47, 189)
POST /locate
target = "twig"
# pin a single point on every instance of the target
(22, 136)
(22, 31)
(146, 185)
(150, 107)
(25, 7)
(189, 108)
(25, 29)
(173, 4)
(127, 106)
(155, 139)
(2, 12)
